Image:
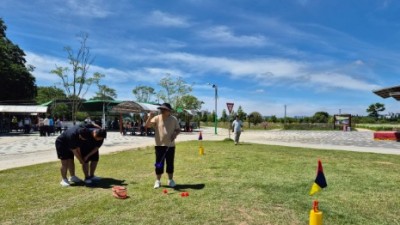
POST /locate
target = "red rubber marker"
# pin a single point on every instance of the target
(165, 191)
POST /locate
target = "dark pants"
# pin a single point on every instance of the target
(162, 156)
(27, 129)
(42, 131)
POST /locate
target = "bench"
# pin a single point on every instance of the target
(387, 135)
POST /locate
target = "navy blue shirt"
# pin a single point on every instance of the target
(70, 137)
(90, 143)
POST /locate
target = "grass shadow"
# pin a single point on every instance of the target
(245, 143)
(180, 187)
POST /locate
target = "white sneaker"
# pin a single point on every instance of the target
(94, 178)
(157, 184)
(64, 183)
(75, 179)
(88, 181)
(171, 183)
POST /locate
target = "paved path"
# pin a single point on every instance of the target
(22, 150)
(361, 141)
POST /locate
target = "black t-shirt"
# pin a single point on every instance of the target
(70, 137)
(90, 143)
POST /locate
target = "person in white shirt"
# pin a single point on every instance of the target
(237, 129)
(46, 126)
(27, 124)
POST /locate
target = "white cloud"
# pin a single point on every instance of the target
(238, 68)
(259, 91)
(87, 8)
(271, 70)
(159, 18)
(359, 62)
(43, 65)
(336, 80)
(224, 36)
(115, 78)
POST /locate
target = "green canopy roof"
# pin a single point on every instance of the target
(97, 105)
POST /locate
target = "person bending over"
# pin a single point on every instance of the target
(67, 146)
(90, 152)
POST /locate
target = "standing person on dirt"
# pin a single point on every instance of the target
(166, 128)
(237, 129)
(27, 124)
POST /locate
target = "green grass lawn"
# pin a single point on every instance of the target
(245, 184)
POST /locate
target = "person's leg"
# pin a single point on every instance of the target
(71, 167)
(238, 137)
(85, 150)
(85, 169)
(93, 162)
(61, 154)
(93, 166)
(64, 169)
(160, 151)
(170, 157)
(159, 169)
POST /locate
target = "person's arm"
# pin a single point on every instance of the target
(78, 155)
(95, 125)
(96, 149)
(177, 131)
(149, 122)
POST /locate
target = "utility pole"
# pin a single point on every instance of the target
(216, 114)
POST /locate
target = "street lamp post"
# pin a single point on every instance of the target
(216, 115)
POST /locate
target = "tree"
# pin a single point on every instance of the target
(224, 116)
(104, 92)
(143, 93)
(190, 102)
(320, 117)
(204, 117)
(76, 80)
(273, 119)
(256, 118)
(211, 117)
(374, 109)
(242, 115)
(61, 110)
(46, 94)
(173, 90)
(17, 82)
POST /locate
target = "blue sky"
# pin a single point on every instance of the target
(310, 55)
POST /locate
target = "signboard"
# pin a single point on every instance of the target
(230, 107)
